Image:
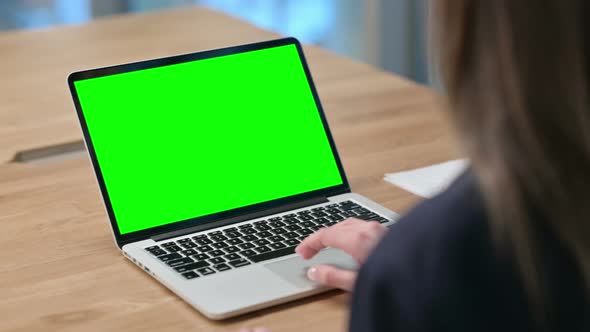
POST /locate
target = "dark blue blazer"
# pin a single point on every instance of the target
(439, 270)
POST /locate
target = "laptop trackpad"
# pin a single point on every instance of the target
(294, 270)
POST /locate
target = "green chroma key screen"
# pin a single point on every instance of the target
(192, 139)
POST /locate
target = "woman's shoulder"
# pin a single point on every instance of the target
(438, 264)
(451, 223)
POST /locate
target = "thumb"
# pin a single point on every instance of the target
(332, 277)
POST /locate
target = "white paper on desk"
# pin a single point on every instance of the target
(428, 181)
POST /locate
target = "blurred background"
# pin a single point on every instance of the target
(389, 34)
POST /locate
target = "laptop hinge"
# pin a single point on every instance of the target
(236, 219)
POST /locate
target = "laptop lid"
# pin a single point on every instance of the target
(198, 138)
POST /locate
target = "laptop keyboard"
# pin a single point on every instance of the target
(234, 247)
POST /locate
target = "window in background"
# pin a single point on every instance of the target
(283, 16)
(386, 33)
(35, 14)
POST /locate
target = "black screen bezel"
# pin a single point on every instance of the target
(123, 239)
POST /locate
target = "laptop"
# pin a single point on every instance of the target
(213, 166)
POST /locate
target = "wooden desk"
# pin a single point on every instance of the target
(59, 267)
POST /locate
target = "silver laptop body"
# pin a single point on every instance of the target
(229, 262)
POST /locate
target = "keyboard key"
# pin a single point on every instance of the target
(350, 206)
(264, 234)
(239, 262)
(260, 222)
(290, 235)
(292, 242)
(262, 249)
(217, 260)
(273, 254)
(201, 257)
(368, 217)
(233, 235)
(169, 257)
(320, 208)
(218, 238)
(190, 275)
(216, 253)
(291, 221)
(192, 266)
(179, 262)
(246, 245)
(262, 227)
(205, 248)
(316, 228)
(248, 231)
(231, 249)
(184, 240)
(319, 214)
(168, 244)
(290, 215)
(153, 248)
(188, 245)
(244, 226)
(231, 229)
(203, 241)
(206, 271)
(222, 267)
(361, 211)
(304, 231)
(276, 224)
(232, 257)
(278, 231)
(261, 242)
(321, 221)
(335, 217)
(158, 252)
(346, 203)
(305, 217)
(307, 224)
(190, 252)
(248, 253)
(233, 242)
(249, 238)
(173, 248)
(277, 245)
(276, 238)
(220, 245)
(292, 228)
(331, 223)
(275, 219)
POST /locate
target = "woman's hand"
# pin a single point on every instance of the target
(353, 236)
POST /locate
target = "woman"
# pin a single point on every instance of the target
(507, 246)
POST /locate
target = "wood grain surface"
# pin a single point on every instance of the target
(59, 267)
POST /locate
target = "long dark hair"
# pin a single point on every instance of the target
(516, 73)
